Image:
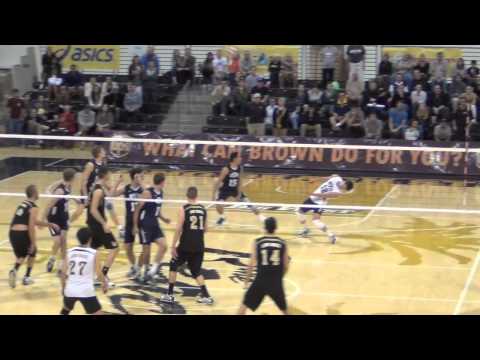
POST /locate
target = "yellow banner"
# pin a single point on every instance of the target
(430, 53)
(89, 57)
(261, 54)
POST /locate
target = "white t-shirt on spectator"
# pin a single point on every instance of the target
(220, 64)
(270, 111)
(412, 134)
(419, 98)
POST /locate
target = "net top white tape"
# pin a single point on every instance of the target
(269, 205)
(238, 143)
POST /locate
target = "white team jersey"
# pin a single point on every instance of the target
(332, 185)
(81, 272)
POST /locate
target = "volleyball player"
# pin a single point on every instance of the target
(334, 187)
(145, 222)
(229, 185)
(79, 269)
(97, 221)
(131, 192)
(57, 212)
(270, 256)
(189, 235)
(23, 235)
(89, 177)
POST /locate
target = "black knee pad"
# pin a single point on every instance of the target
(173, 265)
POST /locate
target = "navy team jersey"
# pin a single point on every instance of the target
(131, 192)
(232, 180)
(151, 210)
(58, 214)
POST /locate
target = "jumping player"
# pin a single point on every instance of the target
(189, 235)
(97, 221)
(56, 212)
(145, 222)
(23, 235)
(270, 256)
(332, 188)
(229, 186)
(131, 191)
(78, 275)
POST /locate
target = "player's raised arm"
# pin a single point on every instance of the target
(219, 181)
(252, 263)
(140, 204)
(178, 232)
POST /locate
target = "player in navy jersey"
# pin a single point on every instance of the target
(131, 191)
(145, 222)
(57, 212)
(270, 257)
(229, 186)
(23, 236)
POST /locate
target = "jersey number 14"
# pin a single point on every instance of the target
(272, 258)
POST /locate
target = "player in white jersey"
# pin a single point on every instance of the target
(332, 188)
(78, 276)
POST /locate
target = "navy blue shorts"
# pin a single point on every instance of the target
(149, 234)
(305, 210)
(129, 237)
(224, 195)
(62, 223)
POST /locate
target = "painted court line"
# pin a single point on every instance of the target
(466, 287)
(380, 203)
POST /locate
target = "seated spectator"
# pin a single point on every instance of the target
(66, 120)
(457, 88)
(281, 118)
(270, 114)
(135, 71)
(132, 101)
(442, 131)
(355, 88)
(149, 83)
(240, 98)
(63, 97)
(459, 69)
(256, 116)
(401, 94)
(375, 99)
(373, 127)
(112, 99)
(220, 63)
(36, 124)
(301, 96)
(274, 69)
(310, 121)
(385, 68)
(422, 116)
(315, 96)
(397, 120)
(440, 82)
(207, 72)
(104, 120)
(288, 73)
(423, 66)
(233, 68)
(471, 100)
(329, 98)
(95, 100)
(439, 68)
(108, 86)
(412, 133)
(246, 64)
(73, 78)
(90, 85)
(355, 120)
(261, 89)
(461, 119)
(86, 121)
(418, 97)
(472, 72)
(295, 117)
(404, 68)
(221, 98)
(338, 121)
(419, 79)
(150, 56)
(439, 102)
(77, 95)
(252, 79)
(396, 83)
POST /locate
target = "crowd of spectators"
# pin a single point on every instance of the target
(410, 99)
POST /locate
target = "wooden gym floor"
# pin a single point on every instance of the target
(383, 263)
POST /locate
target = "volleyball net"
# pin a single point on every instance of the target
(389, 176)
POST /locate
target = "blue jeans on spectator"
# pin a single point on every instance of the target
(15, 126)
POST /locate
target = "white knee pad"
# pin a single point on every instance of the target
(320, 225)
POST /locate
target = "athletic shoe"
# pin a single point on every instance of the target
(152, 271)
(27, 280)
(205, 300)
(333, 239)
(50, 265)
(304, 232)
(111, 284)
(220, 221)
(132, 273)
(170, 299)
(12, 279)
